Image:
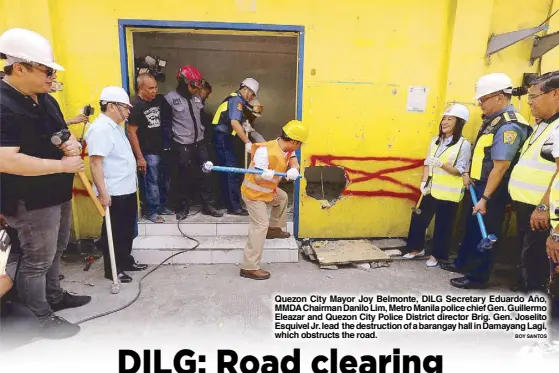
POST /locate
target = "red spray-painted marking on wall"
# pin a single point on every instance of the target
(355, 176)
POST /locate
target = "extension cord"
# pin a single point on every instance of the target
(143, 277)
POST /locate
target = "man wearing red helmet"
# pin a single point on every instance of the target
(184, 136)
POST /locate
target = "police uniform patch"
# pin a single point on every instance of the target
(240, 106)
(509, 137)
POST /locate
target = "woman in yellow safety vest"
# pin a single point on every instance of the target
(442, 187)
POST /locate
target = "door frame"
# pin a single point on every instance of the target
(124, 24)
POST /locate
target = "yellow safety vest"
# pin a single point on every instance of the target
(554, 202)
(532, 174)
(445, 186)
(485, 140)
(223, 108)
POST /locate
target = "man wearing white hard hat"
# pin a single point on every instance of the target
(228, 121)
(253, 111)
(113, 167)
(37, 179)
(442, 187)
(495, 151)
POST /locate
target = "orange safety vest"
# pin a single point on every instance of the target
(263, 190)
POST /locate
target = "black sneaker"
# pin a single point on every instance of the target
(209, 210)
(122, 277)
(70, 301)
(182, 214)
(55, 327)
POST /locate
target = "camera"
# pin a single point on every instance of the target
(519, 91)
(88, 110)
(152, 65)
(527, 79)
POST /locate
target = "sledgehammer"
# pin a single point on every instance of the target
(209, 167)
(488, 241)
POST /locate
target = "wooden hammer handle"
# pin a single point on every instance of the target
(89, 189)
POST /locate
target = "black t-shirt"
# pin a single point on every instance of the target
(29, 126)
(147, 116)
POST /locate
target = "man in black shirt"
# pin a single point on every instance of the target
(37, 177)
(146, 138)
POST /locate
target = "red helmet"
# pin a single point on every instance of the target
(191, 75)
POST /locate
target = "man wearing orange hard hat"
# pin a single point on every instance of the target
(260, 190)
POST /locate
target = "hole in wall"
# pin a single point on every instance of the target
(325, 184)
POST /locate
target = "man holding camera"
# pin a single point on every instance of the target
(37, 179)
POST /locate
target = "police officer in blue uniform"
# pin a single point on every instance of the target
(496, 150)
(228, 121)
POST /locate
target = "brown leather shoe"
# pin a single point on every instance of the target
(255, 274)
(277, 233)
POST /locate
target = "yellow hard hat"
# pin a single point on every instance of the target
(295, 130)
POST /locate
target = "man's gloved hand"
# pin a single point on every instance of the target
(433, 161)
(248, 147)
(268, 175)
(292, 174)
(247, 127)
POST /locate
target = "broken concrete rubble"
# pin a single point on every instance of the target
(359, 253)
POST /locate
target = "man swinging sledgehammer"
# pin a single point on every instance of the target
(258, 191)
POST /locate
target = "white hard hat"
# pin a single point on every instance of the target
(115, 94)
(492, 83)
(458, 111)
(252, 84)
(21, 45)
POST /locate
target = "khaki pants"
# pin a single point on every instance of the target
(259, 224)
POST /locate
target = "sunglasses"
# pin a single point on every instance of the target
(49, 71)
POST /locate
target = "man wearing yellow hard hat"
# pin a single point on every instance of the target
(259, 191)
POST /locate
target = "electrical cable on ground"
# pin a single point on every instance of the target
(143, 277)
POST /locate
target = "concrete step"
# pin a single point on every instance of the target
(227, 249)
(200, 225)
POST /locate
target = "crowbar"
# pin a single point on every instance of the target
(488, 241)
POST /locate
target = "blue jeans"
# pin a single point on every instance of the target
(43, 235)
(156, 184)
(230, 182)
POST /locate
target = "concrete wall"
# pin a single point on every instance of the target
(360, 58)
(225, 60)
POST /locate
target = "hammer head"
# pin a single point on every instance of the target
(60, 137)
(207, 167)
(486, 244)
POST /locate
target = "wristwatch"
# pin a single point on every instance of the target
(555, 237)
(542, 207)
(485, 197)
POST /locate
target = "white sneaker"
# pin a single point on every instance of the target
(432, 262)
(412, 256)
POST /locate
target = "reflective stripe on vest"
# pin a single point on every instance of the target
(445, 186)
(264, 190)
(532, 174)
(486, 141)
(221, 108)
(554, 202)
